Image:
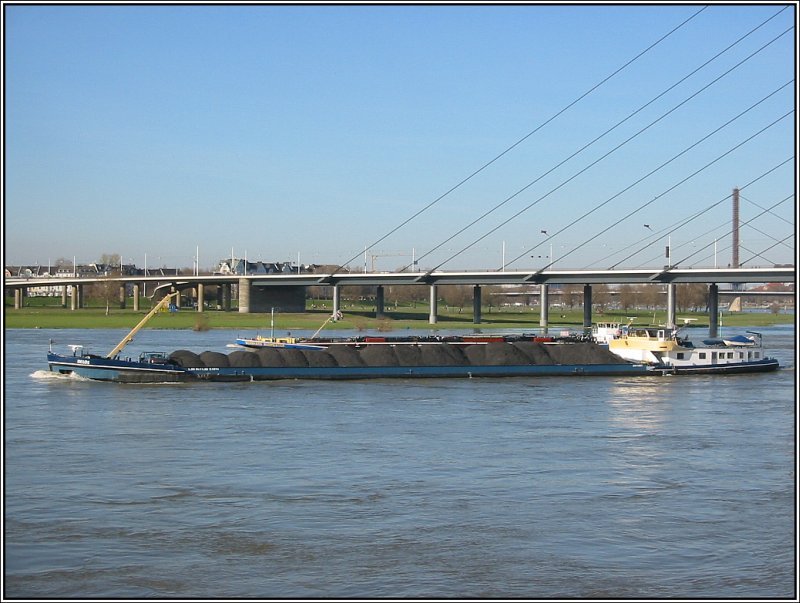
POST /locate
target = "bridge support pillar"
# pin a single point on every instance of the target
(587, 308)
(244, 295)
(713, 309)
(434, 304)
(17, 299)
(671, 290)
(73, 299)
(64, 296)
(379, 302)
(544, 309)
(337, 298)
(476, 304)
(122, 296)
(226, 297)
(201, 297)
(80, 296)
(135, 297)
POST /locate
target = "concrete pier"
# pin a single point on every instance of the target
(337, 299)
(136, 297)
(713, 309)
(201, 299)
(226, 296)
(122, 300)
(671, 291)
(244, 295)
(544, 308)
(434, 306)
(476, 304)
(379, 302)
(587, 308)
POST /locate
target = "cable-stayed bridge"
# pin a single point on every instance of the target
(256, 293)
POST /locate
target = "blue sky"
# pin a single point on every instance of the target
(279, 131)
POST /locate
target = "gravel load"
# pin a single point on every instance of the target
(346, 355)
(582, 353)
(244, 359)
(215, 359)
(475, 354)
(319, 358)
(293, 358)
(444, 354)
(270, 357)
(535, 352)
(504, 354)
(186, 358)
(379, 355)
(408, 355)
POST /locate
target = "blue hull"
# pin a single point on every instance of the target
(382, 372)
(121, 371)
(756, 366)
(127, 371)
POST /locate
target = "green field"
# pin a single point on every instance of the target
(38, 314)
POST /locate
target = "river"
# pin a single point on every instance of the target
(577, 487)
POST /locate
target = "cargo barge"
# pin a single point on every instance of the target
(397, 357)
(496, 359)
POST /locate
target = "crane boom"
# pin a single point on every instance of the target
(129, 337)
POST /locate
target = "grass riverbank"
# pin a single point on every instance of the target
(355, 317)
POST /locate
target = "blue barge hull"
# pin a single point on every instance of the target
(131, 371)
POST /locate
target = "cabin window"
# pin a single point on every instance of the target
(702, 355)
(741, 354)
(757, 354)
(730, 355)
(680, 355)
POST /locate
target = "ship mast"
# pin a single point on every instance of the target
(129, 337)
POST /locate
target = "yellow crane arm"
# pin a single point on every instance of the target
(129, 337)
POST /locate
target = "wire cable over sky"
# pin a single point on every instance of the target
(587, 145)
(681, 223)
(641, 207)
(709, 208)
(529, 206)
(759, 207)
(661, 233)
(681, 261)
(524, 138)
(764, 251)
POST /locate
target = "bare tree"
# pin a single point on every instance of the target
(571, 294)
(111, 260)
(692, 296)
(601, 296)
(651, 296)
(456, 296)
(628, 296)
